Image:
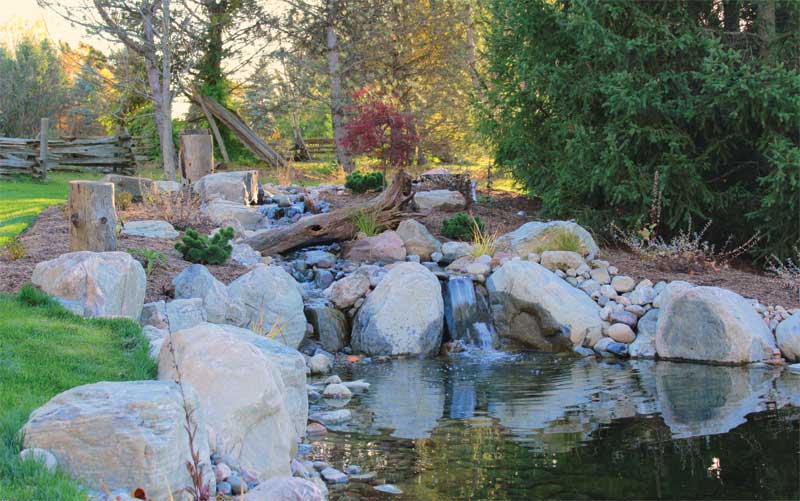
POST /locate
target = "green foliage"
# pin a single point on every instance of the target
(366, 222)
(46, 350)
(463, 227)
(198, 248)
(123, 200)
(358, 182)
(15, 248)
(151, 258)
(590, 99)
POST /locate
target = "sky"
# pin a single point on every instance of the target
(26, 13)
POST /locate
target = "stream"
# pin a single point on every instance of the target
(485, 424)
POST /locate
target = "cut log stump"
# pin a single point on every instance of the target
(93, 217)
(197, 154)
(388, 207)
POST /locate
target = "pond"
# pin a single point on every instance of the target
(487, 425)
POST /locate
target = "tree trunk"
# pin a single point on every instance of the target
(197, 154)
(472, 60)
(731, 15)
(93, 217)
(336, 225)
(337, 107)
(765, 17)
(300, 148)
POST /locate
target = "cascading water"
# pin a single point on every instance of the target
(467, 314)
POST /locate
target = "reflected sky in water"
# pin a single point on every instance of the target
(533, 425)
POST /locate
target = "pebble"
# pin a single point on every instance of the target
(388, 489)
(333, 417)
(333, 476)
(337, 391)
(623, 317)
(224, 488)
(621, 333)
(364, 477)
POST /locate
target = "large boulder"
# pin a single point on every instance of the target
(788, 336)
(670, 291)
(538, 237)
(440, 200)
(237, 186)
(150, 229)
(95, 284)
(404, 315)
(330, 325)
(388, 246)
(222, 211)
(242, 392)
(417, 239)
(270, 297)
(196, 281)
(712, 324)
(292, 366)
(533, 305)
(286, 489)
(126, 435)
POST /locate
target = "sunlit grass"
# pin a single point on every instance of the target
(45, 350)
(22, 199)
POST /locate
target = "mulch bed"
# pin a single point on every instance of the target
(48, 237)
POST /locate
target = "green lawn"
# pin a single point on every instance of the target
(45, 350)
(22, 199)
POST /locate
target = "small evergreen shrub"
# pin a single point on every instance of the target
(198, 248)
(359, 183)
(122, 200)
(462, 226)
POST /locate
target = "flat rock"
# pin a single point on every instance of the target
(150, 229)
(386, 247)
(238, 186)
(537, 237)
(285, 489)
(444, 200)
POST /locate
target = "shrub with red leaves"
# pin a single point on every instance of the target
(379, 129)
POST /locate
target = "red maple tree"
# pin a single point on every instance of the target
(379, 129)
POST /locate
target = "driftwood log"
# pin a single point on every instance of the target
(197, 154)
(93, 218)
(388, 207)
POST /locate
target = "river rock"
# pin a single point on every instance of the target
(712, 324)
(196, 281)
(337, 391)
(532, 305)
(387, 247)
(319, 364)
(292, 366)
(621, 333)
(245, 255)
(403, 316)
(149, 229)
(271, 297)
(444, 200)
(185, 313)
(622, 284)
(94, 284)
(330, 325)
(454, 250)
(242, 392)
(538, 237)
(221, 211)
(87, 427)
(345, 292)
(417, 239)
(561, 260)
(285, 489)
(645, 344)
(320, 259)
(788, 336)
(237, 186)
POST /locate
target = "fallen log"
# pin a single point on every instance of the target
(388, 208)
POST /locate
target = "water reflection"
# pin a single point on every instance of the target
(541, 425)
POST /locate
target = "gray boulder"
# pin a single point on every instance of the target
(154, 314)
(645, 344)
(150, 229)
(445, 200)
(387, 247)
(223, 211)
(88, 427)
(788, 336)
(185, 313)
(330, 325)
(196, 281)
(404, 315)
(345, 292)
(245, 255)
(237, 186)
(534, 306)
(670, 291)
(95, 284)
(712, 324)
(270, 297)
(417, 239)
(454, 250)
(538, 237)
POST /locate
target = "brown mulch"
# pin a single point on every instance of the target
(48, 238)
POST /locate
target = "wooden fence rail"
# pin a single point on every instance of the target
(112, 153)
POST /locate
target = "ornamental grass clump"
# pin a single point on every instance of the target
(197, 248)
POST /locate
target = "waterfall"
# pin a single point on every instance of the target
(467, 314)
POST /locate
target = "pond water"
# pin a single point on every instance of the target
(541, 426)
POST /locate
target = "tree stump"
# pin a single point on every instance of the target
(197, 154)
(93, 217)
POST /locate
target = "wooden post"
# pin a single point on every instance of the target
(197, 154)
(42, 160)
(215, 129)
(93, 216)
